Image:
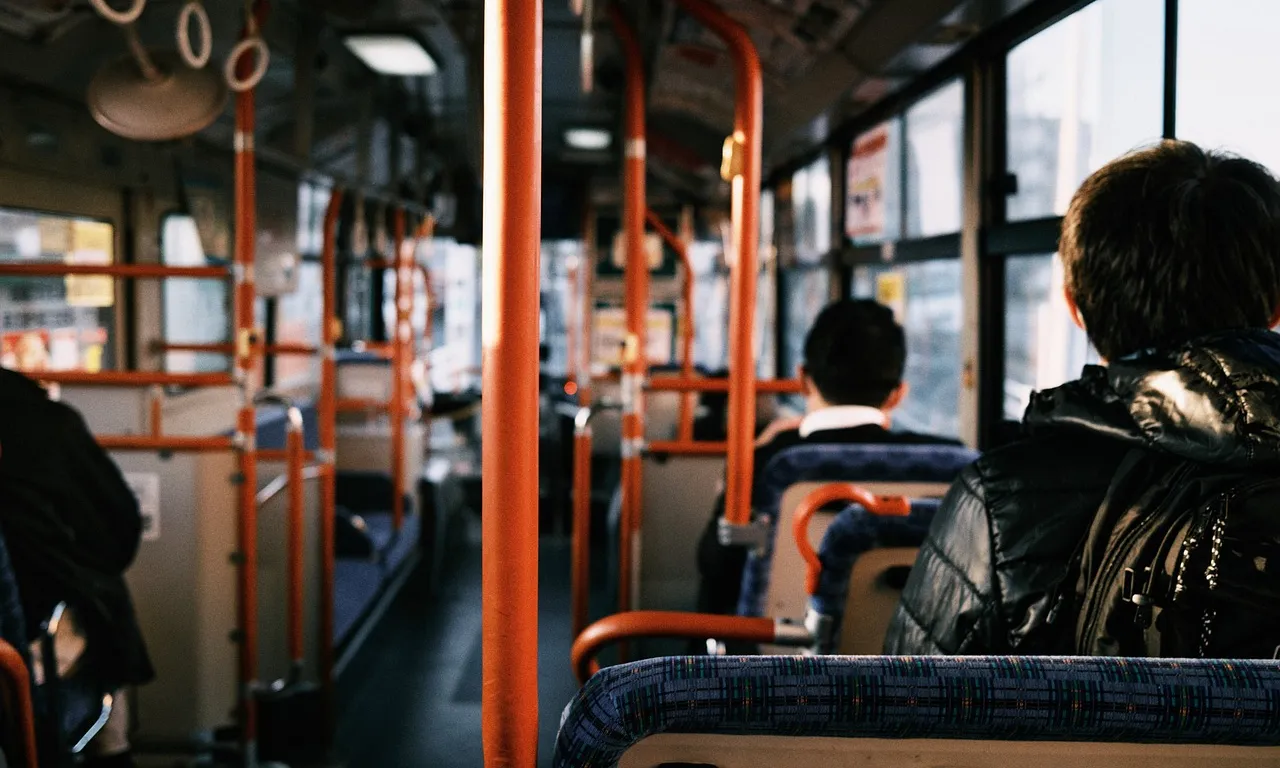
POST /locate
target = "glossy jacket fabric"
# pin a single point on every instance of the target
(1010, 524)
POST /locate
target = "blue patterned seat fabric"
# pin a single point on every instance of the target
(853, 532)
(975, 698)
(892, 463)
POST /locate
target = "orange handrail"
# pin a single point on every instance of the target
(888, 506)
(402, 334)
(227, 348)
(19, 706)
(688, 447)
(296, 454)
(742, 168)
(283, 455)
(246, 232)
(327, 416)
(685, 430)
(763, 386)
(133, 378)
(636, 278)
(139, 271)
(512, 223)
(633, 624)
(168, 443)
(580, 576)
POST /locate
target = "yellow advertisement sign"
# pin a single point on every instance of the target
(891, 291)
(92, 242)
(610, 336)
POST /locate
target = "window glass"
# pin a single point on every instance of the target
(710, 306)
(925, 295)
(1223, 51)
(935, 162)
(873, 185)
(56, 323)
(455, 359)
(557, 301)
(300, 320)
(811, 204)
(313, 199)
(807, 291)
(766, 338)
(1043, 346)
(1082, 92)
(195, 311)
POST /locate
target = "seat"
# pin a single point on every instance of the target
(794, 712)
(865, 559)
(773, 579)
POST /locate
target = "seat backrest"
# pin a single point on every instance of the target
(917, 471)
(735, 712)
(864, 561)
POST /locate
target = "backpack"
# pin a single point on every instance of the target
(1182, 560)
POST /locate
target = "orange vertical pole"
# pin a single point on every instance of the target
(580, 576)
(635, 359)
(327, 417)
(681, 248)
(297, 502)
(512, 223)
(246, 231)
(400, 355)
(742, 167)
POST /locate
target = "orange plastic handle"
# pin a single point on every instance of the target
(17, 689)
(887, 506)
(623, 626)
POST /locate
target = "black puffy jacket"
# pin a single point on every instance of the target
(1002, 540)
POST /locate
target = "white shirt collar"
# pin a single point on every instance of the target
(841, 417)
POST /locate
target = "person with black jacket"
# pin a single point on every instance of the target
(854, 357)
(1171, 258)
(72, 527)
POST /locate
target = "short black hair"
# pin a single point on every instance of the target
(855, 353)
(1170, 243)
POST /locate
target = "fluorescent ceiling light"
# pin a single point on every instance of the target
(398, 55)
(588, 138)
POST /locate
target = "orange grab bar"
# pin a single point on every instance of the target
(327, 417)
(742, 167)
(636, 279)
(358, 404)
(763, 387)
(296, 451)
(170, 443)
(133, 378)
(622, 626)
(273, 454)
(687, 448)
(887, 506)
(21, 711)
(581, 565)
(686, 324)
(400, 352)
(512, 224)
(244, 363)
(227, 348)
(23, 269)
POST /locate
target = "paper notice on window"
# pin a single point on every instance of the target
(610, 336)
(146, 487)
(891, 291)
(864, 201)
(92, 242)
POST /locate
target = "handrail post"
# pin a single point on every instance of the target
(246, 233)
(635, 358)
(400, 352)
(681, 247)
(327, 417)
(512, 210)
(742, 167)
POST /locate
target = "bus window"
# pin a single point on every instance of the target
(710, 305)
(935, 162)
(300, 320)
(1223, 48)
(926, 297)
(195, 311)
(1043, 346)
(806, 282)
(56, 323)
(1086, 90)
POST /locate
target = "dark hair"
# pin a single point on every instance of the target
(1170, 243)
(855, 353)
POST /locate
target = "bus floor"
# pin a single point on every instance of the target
(412, 695)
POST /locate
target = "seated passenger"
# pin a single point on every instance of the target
(1172, 266)
(712, 421)
(854, 357)
(72, 526)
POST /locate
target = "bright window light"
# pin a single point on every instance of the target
(398, 55)
(588, 138)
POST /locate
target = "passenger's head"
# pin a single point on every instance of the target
(1170, 243)
(854, 355)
